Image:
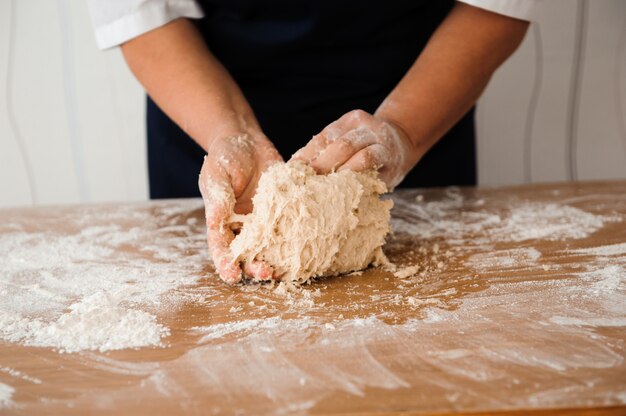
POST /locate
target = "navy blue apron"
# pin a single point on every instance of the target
(301, 65)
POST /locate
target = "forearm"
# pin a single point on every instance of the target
(451, 73)
(188, 83)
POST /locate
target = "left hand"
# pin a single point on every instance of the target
(361, 141)
(228, 180)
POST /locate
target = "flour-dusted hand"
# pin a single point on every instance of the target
(228, 180)
(361, 142)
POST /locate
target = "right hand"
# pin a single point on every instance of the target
(228, 181)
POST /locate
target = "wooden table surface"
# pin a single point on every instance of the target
(519, 304)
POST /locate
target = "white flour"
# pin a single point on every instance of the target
(503, 259)
(608, 250)
(6, 394)
(564, 320)
(532, 221)
(72, 292)
(456, 219)
(219, 331)
(18, 374)
(97, 322)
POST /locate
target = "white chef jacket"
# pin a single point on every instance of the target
(117, 21)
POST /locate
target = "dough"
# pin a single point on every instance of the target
(307, 225)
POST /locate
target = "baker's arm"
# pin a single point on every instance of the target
(188, 83)
(441, 86)
(192, 87)
(451, 73)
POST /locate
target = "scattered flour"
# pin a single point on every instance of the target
(516, 257)
(88, 287)
(599, 296)
(418, 302)
(532, 221)
(18, 374)
(564, 320)
(218, 331)
(608, 250)
(456, 219)
(6, 394)
(610, 279)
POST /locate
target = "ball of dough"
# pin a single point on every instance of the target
(307, 225)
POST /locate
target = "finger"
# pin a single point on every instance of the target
(329, 134)
(219, 247)
(258, 270)
(269, 154)
(217, 191)
(219, 203)
(312, 149)
(342, 149)
(373, 157)
(244, 204)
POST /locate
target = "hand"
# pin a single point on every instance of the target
(361, 142)
(228, 180)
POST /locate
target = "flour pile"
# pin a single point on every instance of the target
(93, 277)
(97, 322)
(307, 225)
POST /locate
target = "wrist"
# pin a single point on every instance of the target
(413, 148)
(385, 113)
(230, 130)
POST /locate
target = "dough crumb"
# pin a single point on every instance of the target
(235, 309)
(284, 288)
(417, 302)
(307, 225)
(405, 272)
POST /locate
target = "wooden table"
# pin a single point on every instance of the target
(519, 304)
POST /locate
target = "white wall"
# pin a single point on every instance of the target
(557, 109)
(72, 117)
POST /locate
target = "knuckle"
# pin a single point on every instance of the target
(367, 157)
(356, 115)
(317, 142)
(345, 144)
(360, 113)
(375, 156)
